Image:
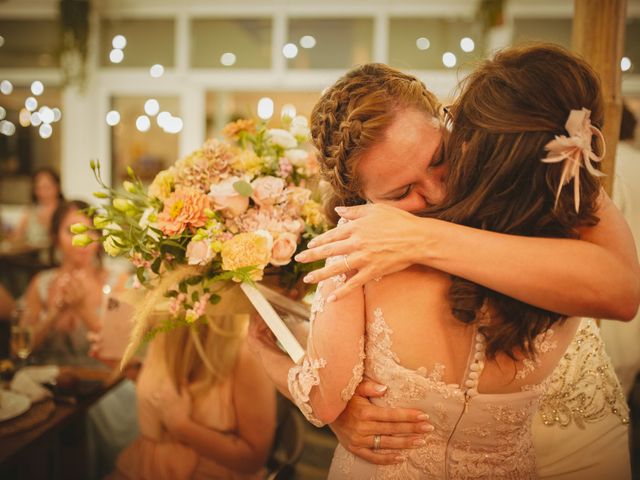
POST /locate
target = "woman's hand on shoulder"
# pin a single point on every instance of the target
(378, 240)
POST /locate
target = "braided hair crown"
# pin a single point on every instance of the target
(353, 114)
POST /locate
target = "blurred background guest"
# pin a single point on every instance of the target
(63, 303)
(620, 338)
(206, 407)
(46, 196)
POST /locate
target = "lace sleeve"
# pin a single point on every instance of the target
(327, 376)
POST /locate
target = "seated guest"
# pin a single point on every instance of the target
(63, 304)
(209, 416)
(46, 195)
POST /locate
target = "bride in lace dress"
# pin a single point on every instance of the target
(480, 379)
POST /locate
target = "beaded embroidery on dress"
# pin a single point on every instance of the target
(583, 388)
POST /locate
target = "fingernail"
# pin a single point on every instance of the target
(300, 257)
(419, 442)
(308, 279)
(380, 388)
(341, 210)
(331, 298)
(423, 416)
(399, 459)
(427, 428)
(311, 244)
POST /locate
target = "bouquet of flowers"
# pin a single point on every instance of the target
(220, 215)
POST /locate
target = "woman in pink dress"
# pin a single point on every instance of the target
(202, 415)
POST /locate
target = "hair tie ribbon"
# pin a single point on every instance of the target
(575, 150)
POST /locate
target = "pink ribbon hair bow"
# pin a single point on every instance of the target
(575, 150)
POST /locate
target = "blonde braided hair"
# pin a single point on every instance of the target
(353, 115)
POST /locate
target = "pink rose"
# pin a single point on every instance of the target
(293, 226)
(199, 252)
(227, 199)
(267, 190)
(283, 248)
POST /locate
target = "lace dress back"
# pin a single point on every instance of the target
(482, 422)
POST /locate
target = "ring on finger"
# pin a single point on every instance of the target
(376, 442)
(346, 263)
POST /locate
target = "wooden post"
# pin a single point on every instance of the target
(598, 35)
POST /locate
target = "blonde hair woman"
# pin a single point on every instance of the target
(206, 408)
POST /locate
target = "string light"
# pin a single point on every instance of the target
(31, 104)
(151, 107)
(307, 41)
(143, 123)
(113, 118)
(37, 87)
(45, 130)
(228, 59)
(265, 108)
(449, 60)
(467, 44)
(116, 55)
(423, 43)
(6, 87)
(290, 50)
(156, 71)
(119, 42)
(625, 64)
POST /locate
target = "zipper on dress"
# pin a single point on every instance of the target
(453, 431)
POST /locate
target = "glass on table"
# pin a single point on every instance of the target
(21, 341)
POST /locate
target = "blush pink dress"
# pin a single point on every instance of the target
(155, 455)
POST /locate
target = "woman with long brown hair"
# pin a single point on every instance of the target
(496, 182)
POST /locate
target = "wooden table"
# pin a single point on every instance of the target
(35, 453)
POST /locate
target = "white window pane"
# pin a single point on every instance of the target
(29, 43)
(231, 43)
(554, 30)
(421, 43)
(147, 42)
(340, 43)
(147, 152)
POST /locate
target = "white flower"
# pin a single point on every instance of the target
(300, 128)
(266, 234)
(300, 120)
(148, 220)
(296, 156)
(284, 139)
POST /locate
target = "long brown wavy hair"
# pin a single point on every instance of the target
(353, 115)
(509, 108)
